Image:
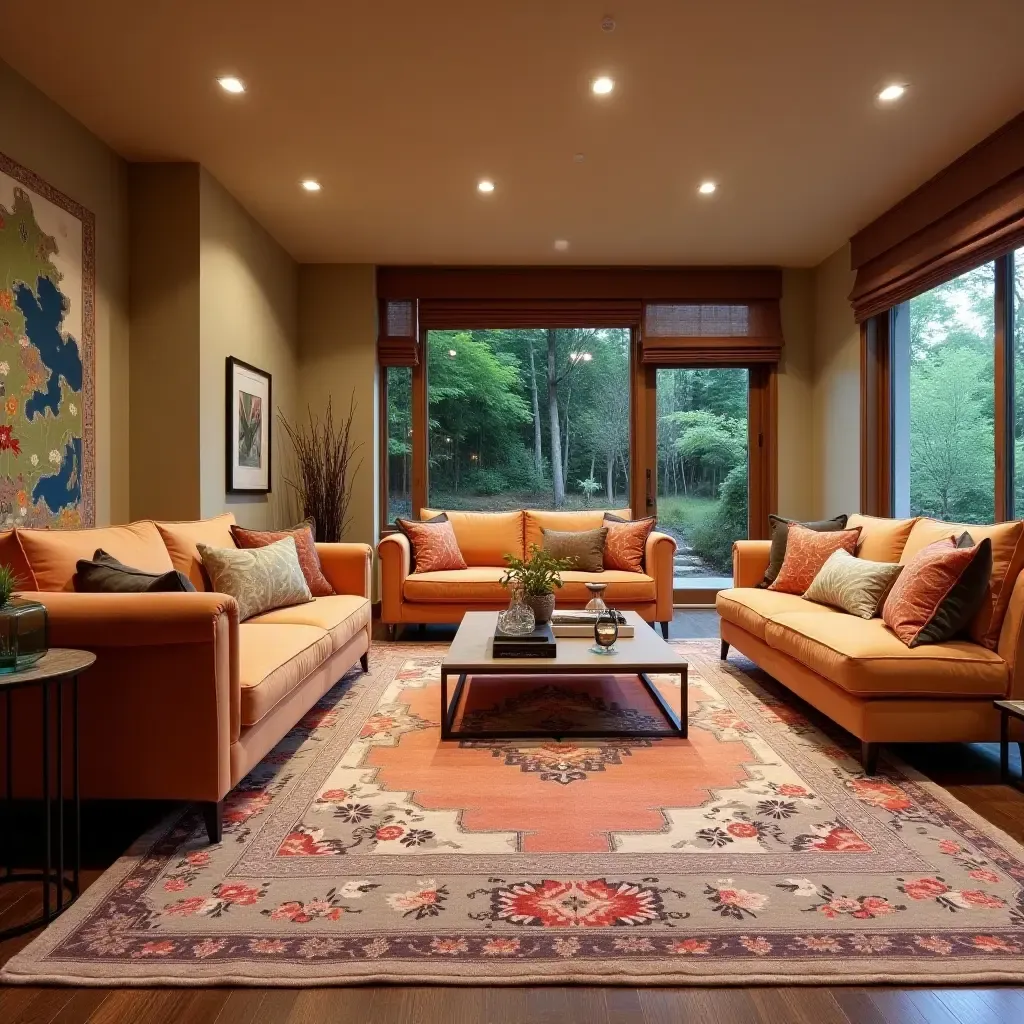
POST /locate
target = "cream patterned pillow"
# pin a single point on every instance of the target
(259, 579)
(853, 584)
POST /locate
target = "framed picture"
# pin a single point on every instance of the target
(249, 418)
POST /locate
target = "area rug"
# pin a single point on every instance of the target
(363, 849)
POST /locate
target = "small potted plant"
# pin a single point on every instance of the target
(538, 576)
(23, 626)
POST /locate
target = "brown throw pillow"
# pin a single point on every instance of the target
(584, 547)
(939, 591)
(434, 546)
(779, 529)
(807, 551)
(627, 538)
(305, 545)
(105, 574)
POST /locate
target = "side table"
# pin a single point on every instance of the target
(55, 669)
(1008, 709)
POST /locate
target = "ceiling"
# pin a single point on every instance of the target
(400, 106)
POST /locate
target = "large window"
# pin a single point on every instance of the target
(1015, 278)
(944, 436)
(528, 418)
(702, 429)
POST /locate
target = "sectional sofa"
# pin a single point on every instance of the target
(183, 699)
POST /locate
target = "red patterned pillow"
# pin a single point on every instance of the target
(625, 543)
(434, 545)
(806, 552)
(305, 545)
(939, 591)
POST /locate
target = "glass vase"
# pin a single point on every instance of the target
(518, 618)
(596, 602)
(23, 634)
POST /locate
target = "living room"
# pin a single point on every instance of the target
(689, 333)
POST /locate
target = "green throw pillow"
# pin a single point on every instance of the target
(855, 585)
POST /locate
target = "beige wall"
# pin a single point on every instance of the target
(247, 309)
(796, 389)
(836, 416)
(338, 359)
(42, 137)
(164, 371)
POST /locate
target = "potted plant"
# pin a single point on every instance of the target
(538, 576)
(23, 626)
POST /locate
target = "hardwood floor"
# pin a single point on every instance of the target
(969, 772)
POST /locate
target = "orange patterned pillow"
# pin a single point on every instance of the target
(625, 543)
(434, 545)
(305, 545)
(806, 552)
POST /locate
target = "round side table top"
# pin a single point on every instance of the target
(56, 663)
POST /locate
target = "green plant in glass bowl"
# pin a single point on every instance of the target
(8, 584)
(23, 626)
(538, 576)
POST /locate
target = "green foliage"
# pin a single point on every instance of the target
(537, 575)
(485, 482)
(714, 533)
(8, 583)
(589, 487)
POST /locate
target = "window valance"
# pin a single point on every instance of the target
(711, 334)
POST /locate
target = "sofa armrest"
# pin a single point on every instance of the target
(659, 554)
(395, 555)
(165, 684)
(347, 567)
(749, 560)
(1011, 639)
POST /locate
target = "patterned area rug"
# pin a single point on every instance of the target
(365, 850)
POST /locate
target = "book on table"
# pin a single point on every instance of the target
(538, 644)
(575, 622)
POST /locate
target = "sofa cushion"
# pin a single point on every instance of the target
(12, 555)
(584, 549)
(104, 574)
(865, 658)
(778, 528)
(341, 616)
(181, 540)
(627, 542)
(259, 579)
(484, 538)
(305, 545)
(273, 660)
(1007, 560)
(535, 520)
(881, 540)
(856, 585)
(435, 547)
(480, 584)
(806, 552)
(52, 555)
(751, 608)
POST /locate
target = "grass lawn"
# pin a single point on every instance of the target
(683, 512)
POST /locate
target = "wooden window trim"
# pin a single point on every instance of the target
(1004, 389)
(876, 456)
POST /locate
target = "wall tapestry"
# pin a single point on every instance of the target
(47, 333)
(249, 417)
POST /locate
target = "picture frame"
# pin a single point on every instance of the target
(249, 422)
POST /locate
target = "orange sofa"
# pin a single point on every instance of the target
(857, 672)
(183, 699)
(484, 538)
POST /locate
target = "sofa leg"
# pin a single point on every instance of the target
(724, 651)
(213, 816)
(391, 631)
(869, 757)
(664, 630)
(364, 661)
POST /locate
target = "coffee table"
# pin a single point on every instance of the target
(644, 652)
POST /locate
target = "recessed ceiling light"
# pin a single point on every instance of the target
(891, 93)
(311, 185)
(484, 185)
(561, 244)
(706, 188)
(231, 84)
(602, 86)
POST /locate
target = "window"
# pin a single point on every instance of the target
(944, 400)
(528, 418)
(1015, 278)
(399, 443)
(703, 469)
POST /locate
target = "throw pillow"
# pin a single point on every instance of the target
(779, 533)
(856, 585)
(626, 541)
(305, 545)
(807, 551)
(434, 547)
(441, 517)
(104, 574)
(585, 547)
(939, 591)
(259, 579)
